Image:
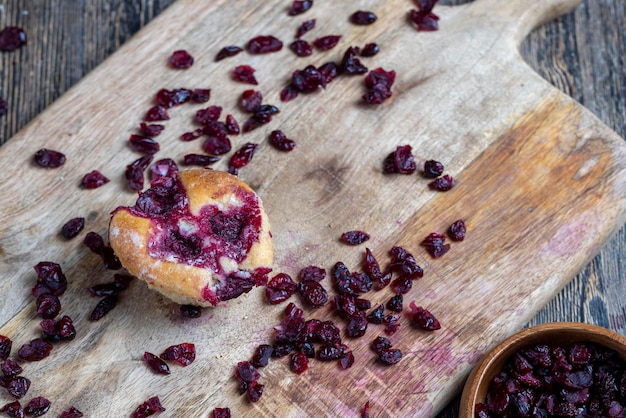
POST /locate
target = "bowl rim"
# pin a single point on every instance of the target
(493, 360)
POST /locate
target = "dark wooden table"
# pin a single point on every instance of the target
(582, 53)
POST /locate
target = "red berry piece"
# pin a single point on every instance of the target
(362, 17)
(264, 45)
(288, 93)
(144, 144)
(243, 155)
(262, 355)
(369, 50)
(36, 350)
(151, 129)
(313, 293)
(13, 410)
(48, 306)
(327, 42)
(255, 390)
(73, 227)
(220, 413)
(183, 354)
(12, 38)
(299, 7)
(395, 303)
(435, 244)
(37, 406)
(231, 125)
(180, 60)
(199, 159)
(244, 74)
(217, 145)
(433, 169)
(350, 64)
(423, 319)
(72, 412)
(157, 365)
(5, 347)
(314, 273)
(378, 83)
(279, 140)
(280, 288)
(171, 98)
(48, 158)
(400, 161)
(390, 356)
(228, 51)
(156, 113)
(443, 184)
(305, 27)
(93, 180)
(299, 362)
(50, 278)
(457, 230)
(424, 21)
(250, 100)
(148, 408)
(103, 308)
(10, 368)
(354, 237)
(301, 48)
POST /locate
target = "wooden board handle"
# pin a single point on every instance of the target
(523, 15)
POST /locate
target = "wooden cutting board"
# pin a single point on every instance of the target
(540, 184)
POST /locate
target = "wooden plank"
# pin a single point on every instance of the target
(475, 106)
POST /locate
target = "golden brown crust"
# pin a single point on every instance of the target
(129, 236)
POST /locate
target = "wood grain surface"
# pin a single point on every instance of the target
(575, 53)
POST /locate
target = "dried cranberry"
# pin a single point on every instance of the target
(96, 244)
(262, 355)
(184, 353)
(280, 288)
(61, 330)
(228, 51)
(73, 227)
(13, 410)
(423, 20)
(250, 100)
(171, 98)
(37, 406)
(392, 324)
(305, 27)
(220, 413)
(457, 230)
(301, 48)
(288, 93)
(329, 71)
(264, 45)
(217, 145)
(279, 140)
(435, 244)
(432, 169)
(156, 113)
(423, 318)
(313, 293)
(199, 159)
(231, 125)
(255, 390)
(10, 368)
(246, 372)
(103, 307)
(5, 347)
(354, 237)
(395, 303)
(190, 311)
(377, 316)
(157, 365)
(314, 273)
(180, 59)
(400, 161)
(380, 344)
(263, 113)
(362, 17)
(369, 50)
(356, 327)
(350, 64)
(150, 407)
(210, 114)
(12, 38)
(36, 350)
(51, 277)
(243, 155)
(402, 284)
(299, 362)
(93, 180)
(120, 283)
(327, 332)
(72, 412)
(330, 352)
(48, 158)
(347, 360)
(378, 83)
(443, 184)
(134, 172)
(162, 170)
(308, 80)
(244, 74)
(151, 129)
(299, 7)
(390, 356)
(327, 42)
(48, 306)
(143, 144)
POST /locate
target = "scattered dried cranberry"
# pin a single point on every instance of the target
(369, 50)
(231, 125)
(377, 316)
(380, 344)
(423, 318)
(301, 48)
(228, 51)
(280, 288)
(134, 172)
(190, 311)
(404, 262)
(443, 184)
(221, 413)
(93, 180)
(327, 42)
(262, 355)
(299, 362)
(151, 129)
(390, 356)
(457, 230)
(37, 406)
(305, 27)
(171, 98)
(120, 283)
(48, 306)
(48, 158)
(347, 360)
(400, 161)
(199, 159)
(12, 38)
(72, 412)
(5, 347)
(288, 93)
(10, 368)
(255, 390)
(264, 44)
(148, 408)
(299, 7)
(395, 303)
(144, 144)
(250, 100)
(217, 145)
(313, 293)
(308, 80)
(157, 365)
(103, 307)
(350, 64)
(243, 155)
(433, 169)
(378, 83)
(354, 237)
(162, 170)
(73, 227)
(13, 410)
(423, 20)
(314, 273)
(95, 243)
(36, 350)
(330, 352)
(244, 74)
(50, 279)
(362, 17)
(279, 140)
(156, 113)
(184, 353)
(210, 114)
(61, 330)
(435, 244)
(180, 59)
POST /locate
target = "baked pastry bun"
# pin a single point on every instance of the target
(199, 238)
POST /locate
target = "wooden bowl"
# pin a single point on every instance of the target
(560, 333)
